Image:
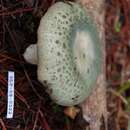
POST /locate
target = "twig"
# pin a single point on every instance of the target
(20, 57)
(44, 121)
(2, 124)
(19, 96)
(118, 95)
(36, 119)
(16, 11)
(8, 57)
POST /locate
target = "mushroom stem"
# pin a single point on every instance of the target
(30, 54)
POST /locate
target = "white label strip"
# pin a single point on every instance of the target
(10, 102)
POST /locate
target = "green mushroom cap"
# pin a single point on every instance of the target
(69, 53)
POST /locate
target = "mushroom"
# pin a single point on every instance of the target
(30, 54)
(69, 54)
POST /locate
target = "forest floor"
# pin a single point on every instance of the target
(34, 110)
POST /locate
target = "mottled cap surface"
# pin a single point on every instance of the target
(69, 53)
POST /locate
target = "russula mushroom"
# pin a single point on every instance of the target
(69, 53)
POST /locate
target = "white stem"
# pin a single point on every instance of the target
(30, 54)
